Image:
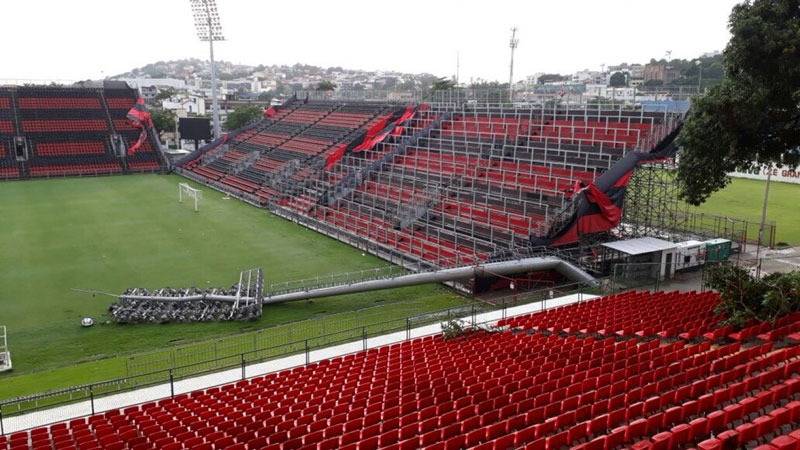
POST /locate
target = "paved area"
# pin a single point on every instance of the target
(772, 260)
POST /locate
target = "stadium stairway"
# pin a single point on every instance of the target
(547, 380)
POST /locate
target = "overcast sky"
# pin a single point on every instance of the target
(80, 39)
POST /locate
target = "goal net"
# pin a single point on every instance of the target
(184, 190)
(5, 356)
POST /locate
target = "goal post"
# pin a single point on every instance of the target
(192, 193)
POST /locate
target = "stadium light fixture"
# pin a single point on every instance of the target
(207, 24)
(513, 44)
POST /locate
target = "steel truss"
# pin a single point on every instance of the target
(651, 206)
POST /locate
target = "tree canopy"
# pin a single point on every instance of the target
(443, 84)
(744, 297)
(618, 79)
(266, 96)
(165, 93)
(752, 118)
(163, 120)
(241, 116)
(326, 85)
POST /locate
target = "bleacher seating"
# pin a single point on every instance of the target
(666, 315)
(68, 132)
(286, 149)
(547, 382)
(8, 167)
(476, 183)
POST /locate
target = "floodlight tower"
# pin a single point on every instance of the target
(206, 21)
(513, 44)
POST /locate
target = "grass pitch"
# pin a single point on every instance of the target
(743, 198)
(116, 232)
(111, 233)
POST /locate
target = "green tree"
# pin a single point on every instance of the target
(618, 79)
(241, 116)
(752, 118)
(165, 93)
(489, 85)
(163, 120)
(326, 85)
(443, 84)
(743, 297)
(266, 96)
(651, 83)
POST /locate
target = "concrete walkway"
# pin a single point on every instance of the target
(135, 397)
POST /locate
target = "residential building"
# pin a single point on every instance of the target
(661, 72)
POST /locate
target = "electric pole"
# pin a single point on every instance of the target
(513, 44)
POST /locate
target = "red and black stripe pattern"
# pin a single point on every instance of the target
(139, 118)
(600, 203)
(390, 125)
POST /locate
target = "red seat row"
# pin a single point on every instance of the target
(58, 103)
(60, 126)
(120, 103)
(143, 166)
(666, 315)
(75, 169)
(485, 390)
(70, 148)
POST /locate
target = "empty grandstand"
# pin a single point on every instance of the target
(58, 131)
(596, 375)
(446, 186)
(270, 159)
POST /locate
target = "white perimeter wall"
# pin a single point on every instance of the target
(785, 174)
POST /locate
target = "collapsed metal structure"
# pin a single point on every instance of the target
(5, 355)
(565, 268)
(242, 301)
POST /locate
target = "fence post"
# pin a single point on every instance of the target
(91, 398)
(408, 328)
(364, 336)
(307, 355)
(171, 384)
(2, 430)
(703, 277)
(474, 318)
(503, 315)
(244, 364)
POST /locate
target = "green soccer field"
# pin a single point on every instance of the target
(111, 233)
(743, 198)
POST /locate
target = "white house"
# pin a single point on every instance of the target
(191, 105)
